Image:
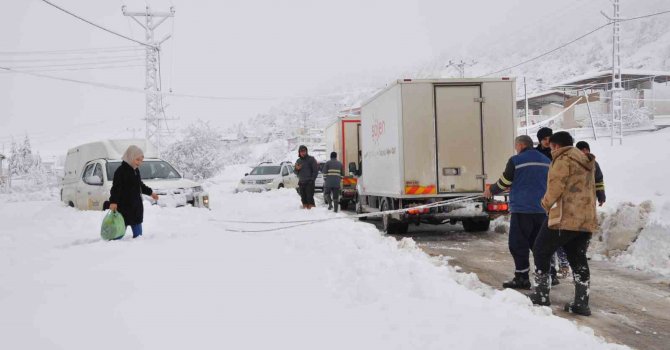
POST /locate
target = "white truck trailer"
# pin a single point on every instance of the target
(425, 141)
(343, 137)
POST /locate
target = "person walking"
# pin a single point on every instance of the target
(128, 188)
(570, 204)
(333, 171)
(307, 170)
(526, 174)
(600, 182)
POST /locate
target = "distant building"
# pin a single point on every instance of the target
(541, 106)
(641, 90)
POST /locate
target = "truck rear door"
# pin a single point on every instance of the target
(459, 138)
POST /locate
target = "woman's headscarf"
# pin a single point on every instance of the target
(131, 154)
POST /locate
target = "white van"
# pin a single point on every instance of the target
(89, 171)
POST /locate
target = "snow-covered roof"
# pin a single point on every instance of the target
(602, 76)
(543, 94)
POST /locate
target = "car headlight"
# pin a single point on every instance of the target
(269, 181)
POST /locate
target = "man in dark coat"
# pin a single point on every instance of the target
(600, 182)
(543, 136)
(127, 190)
(307, 170)
(333, 171)
(527, 171)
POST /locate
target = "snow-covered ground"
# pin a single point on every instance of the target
(192, 283)
(638, 200)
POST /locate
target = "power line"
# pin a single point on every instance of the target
(644, 16)
(81, 68)
(73, 51)
(550, 51)
(96, 25)
(135, 90)
(68, 59)
(81, 64)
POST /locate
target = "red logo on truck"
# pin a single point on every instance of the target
(378, 129)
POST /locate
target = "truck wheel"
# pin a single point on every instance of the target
(390, 227)
(344, 205)
(359, 210)
(471, 225)
(403, 228)
(280, 186)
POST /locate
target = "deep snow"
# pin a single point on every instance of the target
(189, 283)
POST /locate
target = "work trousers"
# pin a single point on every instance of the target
(574, 243)
(306, 192)
(332, 196)
(522, 233)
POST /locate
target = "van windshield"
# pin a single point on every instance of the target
(266, 170)
(149, 170)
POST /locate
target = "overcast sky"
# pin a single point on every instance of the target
(236, 48)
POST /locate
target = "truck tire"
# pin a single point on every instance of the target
(471, 225)
(403, 228)
(389, 226)
(280, 186)
(359, 210)
(344, 205)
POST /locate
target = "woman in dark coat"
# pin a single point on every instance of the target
(127, 190)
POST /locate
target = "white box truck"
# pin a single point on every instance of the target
(343, 137)
(89, 171)
(425, 141)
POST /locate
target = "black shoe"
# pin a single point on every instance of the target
(518, 282)
(330, 207)
(542, 288)
(555, 281)
(581, 304)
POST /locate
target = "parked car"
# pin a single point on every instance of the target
(89, 173)
(318, 183)
(268, 176)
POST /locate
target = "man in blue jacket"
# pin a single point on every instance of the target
(526, 174)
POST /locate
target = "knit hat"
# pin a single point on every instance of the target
(582, 145)
(333, 155)
(544, 132)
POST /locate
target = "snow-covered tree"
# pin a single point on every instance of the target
(198, 151)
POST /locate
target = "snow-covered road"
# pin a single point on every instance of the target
(189, 283)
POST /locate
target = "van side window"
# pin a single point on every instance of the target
(98, 171)
(87, 171)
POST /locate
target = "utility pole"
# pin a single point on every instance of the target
(460, 66)
(617, 88)
(525, 97)
(154, 105)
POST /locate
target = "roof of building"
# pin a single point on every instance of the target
(604, 77)
(544, 94)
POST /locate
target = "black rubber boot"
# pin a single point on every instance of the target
(581, 304)
(520, 281)
(542, 288)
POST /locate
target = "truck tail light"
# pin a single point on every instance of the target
(497, 207)
(419, 211)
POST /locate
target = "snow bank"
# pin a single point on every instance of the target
(190, 283)
(636, 220)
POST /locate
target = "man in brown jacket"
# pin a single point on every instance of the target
(571, 206)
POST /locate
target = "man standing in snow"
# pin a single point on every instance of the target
(333, 172)
(571, 206)
(307, 170)
(528, 172)
(543, 136)
(600, 182)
